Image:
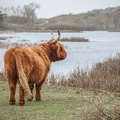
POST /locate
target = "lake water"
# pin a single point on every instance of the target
(102, 44)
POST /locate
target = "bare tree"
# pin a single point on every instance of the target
(21, 14)
(29, 11)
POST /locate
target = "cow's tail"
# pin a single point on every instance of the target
(22, 76)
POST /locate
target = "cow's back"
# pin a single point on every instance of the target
(33, 63)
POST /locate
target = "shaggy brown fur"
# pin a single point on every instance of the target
(29, 65)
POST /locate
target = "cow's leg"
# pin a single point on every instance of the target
(21, 96)
(31, 86)
(12, 85)
(38, 88)
(38, 95)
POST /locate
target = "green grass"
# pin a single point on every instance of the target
(58, 103)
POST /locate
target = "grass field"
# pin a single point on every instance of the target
(58, 103)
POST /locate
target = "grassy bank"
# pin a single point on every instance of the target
(57, 103)
(61, 103)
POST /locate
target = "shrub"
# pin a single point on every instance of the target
(101, 107)
(105, 76)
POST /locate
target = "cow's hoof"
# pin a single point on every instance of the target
(29, 99)
(21, 103)
(38, 98)
(12, 102)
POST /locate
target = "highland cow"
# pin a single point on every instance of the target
(30, 65)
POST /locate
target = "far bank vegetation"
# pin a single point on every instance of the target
(24, 18)
(74, 39)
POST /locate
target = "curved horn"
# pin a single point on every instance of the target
(52, 34)
(58, 35)
(57, 38)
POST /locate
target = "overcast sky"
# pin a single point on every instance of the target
(52, 8)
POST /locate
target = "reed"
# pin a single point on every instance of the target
(104, 76)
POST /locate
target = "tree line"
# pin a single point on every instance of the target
(19, 15)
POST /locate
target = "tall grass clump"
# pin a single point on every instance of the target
(104, 75)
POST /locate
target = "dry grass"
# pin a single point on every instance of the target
(104, 76)
(101, 107)
(4, 38)
(2, 76)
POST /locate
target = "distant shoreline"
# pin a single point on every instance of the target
(46, 31)
(69, 31)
